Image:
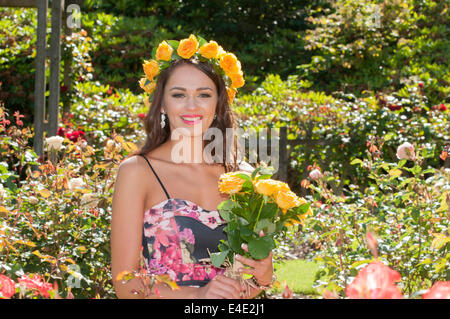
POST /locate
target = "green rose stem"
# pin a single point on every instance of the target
(259, 213)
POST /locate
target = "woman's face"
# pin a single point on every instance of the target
(190, 100)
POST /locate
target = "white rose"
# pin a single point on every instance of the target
(110, 145)
(54, 142)
(315, 174)
(33, 200)
(2, 191)
(75, 183)
(406, 151)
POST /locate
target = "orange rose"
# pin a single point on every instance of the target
(151, 69)
(164, 51)
(287, 200)
(149, 88)
(229, 63)
(188, 47)
(231, 94)
(210, 50)
(237, 79)
(270, 187)
(220, 52)
(229, 183)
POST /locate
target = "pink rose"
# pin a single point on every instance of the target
(36, 282)
(375, 281)
(440, 290)
(406, 151)
(315, 174)
(7, 287)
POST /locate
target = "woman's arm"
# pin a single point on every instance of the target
(126, 226)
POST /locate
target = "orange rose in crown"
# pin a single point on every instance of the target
(225, 63)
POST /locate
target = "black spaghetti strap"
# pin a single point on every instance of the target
(167, 194)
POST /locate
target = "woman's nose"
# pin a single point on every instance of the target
(190, 102)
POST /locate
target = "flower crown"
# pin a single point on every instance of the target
(224, 63)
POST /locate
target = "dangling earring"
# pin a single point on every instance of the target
(163, 120)
(215, 116)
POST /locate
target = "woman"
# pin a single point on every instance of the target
(177, 232)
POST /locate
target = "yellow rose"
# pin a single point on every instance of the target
(151, 69)
(231, 92)
(229, 183)
(164, 51)
(188, 47)
(210, 50)
(229, 63)
(286, 200)
(270, 187)
(237, 79)
(301, 217)
(220, 52)
(149, 88)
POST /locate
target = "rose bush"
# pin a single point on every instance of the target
(403, 213)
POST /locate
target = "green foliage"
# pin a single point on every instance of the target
(380, 46)
(335, 130)
(264, 35)
(48, 226)
(405, 208)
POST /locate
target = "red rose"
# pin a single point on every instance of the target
(141, 116)
(421, 85)
(63, 89)
(7, 286)
(440, 290)
(442, 108)
(375, 281)
(394, 107)
(61, 131)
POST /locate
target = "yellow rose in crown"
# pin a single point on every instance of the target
(149, 88)
(188, 47)
(210, 50)
(231, 92)
(151, 69)
(229, 63)
(237, 79)
(164, 51)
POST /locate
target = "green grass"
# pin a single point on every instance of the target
(299, 275)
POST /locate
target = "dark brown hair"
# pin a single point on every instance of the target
(225, 118)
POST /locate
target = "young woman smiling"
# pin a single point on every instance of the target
(165, 209)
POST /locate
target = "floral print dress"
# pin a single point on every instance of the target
(178, 236)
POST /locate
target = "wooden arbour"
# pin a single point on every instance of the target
(43, 123)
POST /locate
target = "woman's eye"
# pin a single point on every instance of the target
(204, 95)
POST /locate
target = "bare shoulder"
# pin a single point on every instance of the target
(130, 173)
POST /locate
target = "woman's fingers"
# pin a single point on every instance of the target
(247, 261)
(230, 288)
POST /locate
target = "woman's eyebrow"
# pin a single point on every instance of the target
(183, 89)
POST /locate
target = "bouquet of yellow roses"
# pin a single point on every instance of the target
(257, 203)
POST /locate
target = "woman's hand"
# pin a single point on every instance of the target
(262, 269)
(221, 287)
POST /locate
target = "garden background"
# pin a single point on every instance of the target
(354, 79)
